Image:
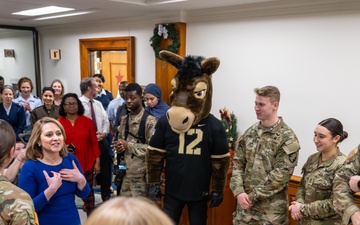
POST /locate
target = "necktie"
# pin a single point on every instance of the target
(93, 117)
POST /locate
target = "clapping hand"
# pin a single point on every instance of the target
(26, 106)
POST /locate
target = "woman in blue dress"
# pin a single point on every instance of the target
(52, 176)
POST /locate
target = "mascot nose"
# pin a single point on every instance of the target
(180, 119)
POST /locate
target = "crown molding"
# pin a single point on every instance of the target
(258, 10)
(272, 9)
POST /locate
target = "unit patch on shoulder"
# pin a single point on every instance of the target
(352, 153)
(293, 157)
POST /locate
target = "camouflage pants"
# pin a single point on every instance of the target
(133, 187)
(252, 217)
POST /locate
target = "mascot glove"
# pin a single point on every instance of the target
(216, 198)
(154, 192)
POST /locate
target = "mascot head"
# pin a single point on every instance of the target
(191, 89)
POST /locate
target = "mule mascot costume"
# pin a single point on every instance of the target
(191, 141)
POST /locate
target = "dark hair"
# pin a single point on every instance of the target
(7, 141)
(23, 80)
(81, 109)
(335, 127)
(134, 87)
(1, 78)
(124, 82)
(48, 89)
(85, 83)
(98, 75)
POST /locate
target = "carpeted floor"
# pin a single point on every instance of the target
(79, 202)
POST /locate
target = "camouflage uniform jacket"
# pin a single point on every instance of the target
(135, 155)
(344, 202)
(17, 207)
(315, 190)
(263, 164)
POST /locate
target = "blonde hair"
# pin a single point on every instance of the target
(269, 91)
(128, 211)
(33, 150)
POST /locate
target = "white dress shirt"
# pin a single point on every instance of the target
(102, 120)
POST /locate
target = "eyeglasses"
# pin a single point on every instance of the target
(70, 103)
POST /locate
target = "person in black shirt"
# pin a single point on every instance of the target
(193, 142)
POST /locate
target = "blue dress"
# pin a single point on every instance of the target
(61, 208)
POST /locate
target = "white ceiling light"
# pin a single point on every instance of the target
(148, 2)
(64, 15)
(42, 11)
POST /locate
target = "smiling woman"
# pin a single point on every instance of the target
(12, 112)
(52, 176)
(48, 108)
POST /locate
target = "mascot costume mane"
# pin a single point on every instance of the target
(191, 142)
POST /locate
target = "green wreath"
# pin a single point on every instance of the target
(173, 35)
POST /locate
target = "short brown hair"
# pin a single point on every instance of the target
(33, 150)
(269, 91)
(23, 80)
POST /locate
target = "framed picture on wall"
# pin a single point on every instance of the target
(9, 53)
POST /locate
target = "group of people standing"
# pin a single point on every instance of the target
(264, 161)
(63, 123)
(265, 158)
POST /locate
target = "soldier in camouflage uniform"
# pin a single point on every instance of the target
(264, 161)
(134, 183)
(344, 202)
(16, 206)
(313, 203)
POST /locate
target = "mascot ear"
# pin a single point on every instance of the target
(210, 65)
(172, 58)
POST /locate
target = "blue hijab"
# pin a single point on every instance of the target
(161, 108)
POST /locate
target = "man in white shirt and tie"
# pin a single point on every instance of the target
(95, 111)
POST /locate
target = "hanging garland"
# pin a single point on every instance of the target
(165, 31)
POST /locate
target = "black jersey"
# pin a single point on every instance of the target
(188, 155)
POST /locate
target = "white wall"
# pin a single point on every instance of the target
(313, 59)
(12, 69)
(68, 68)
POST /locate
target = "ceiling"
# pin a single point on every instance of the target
(140, 11)
(104, 9)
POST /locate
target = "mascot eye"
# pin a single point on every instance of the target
(173, 88)
(200, 94)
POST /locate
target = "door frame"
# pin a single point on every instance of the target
(108, 44)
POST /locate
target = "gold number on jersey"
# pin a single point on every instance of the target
(190, 148)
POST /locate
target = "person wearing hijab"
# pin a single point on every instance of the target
(153, 97)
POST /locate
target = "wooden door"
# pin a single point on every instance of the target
(114, 69)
